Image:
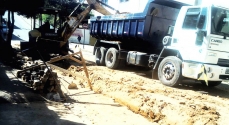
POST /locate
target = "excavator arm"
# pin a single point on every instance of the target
(73, 22)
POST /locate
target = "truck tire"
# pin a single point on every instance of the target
(211, 83)
(111, 59)
(169, 71)
(100, 56)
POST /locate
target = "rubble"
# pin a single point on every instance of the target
(41, 78)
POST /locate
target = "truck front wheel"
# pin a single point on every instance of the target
(111, 58)
(100, 56)
(169, 71)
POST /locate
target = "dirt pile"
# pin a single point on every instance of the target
(158, 103)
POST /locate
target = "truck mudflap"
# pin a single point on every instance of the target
(205, 72)
(138, 58)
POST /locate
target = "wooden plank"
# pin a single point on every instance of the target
(62, 57)
(76, 60)
(85, 70)
(55, 60)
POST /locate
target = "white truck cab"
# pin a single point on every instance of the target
(201, 35)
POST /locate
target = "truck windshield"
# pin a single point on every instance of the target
(220, 21)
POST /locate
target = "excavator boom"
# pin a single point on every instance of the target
(97, 7)
(74, 22)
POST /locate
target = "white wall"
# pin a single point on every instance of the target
(191, 2)
(216, 2)
(132, 6)
(207, 2)
(135, 6)
(85, 36)
(23, 26)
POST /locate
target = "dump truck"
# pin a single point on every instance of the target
(176, 41)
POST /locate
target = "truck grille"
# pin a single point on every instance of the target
(223, 62)
(224, 77)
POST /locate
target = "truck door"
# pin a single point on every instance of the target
(186, 36)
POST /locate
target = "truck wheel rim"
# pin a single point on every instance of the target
(168, 71)
(110, 57)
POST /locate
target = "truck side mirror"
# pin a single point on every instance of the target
(200, 37)
(200, 22)
(170, 30)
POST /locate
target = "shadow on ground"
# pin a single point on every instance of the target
(217, 91)
(20, 105)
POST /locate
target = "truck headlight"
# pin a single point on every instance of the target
(208, 69)
(211, 75)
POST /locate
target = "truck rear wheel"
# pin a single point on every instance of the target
(100, 56)
(111, 59)
(211, 83)
(169, 71)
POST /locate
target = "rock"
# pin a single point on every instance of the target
(183, 103)
(72, 86)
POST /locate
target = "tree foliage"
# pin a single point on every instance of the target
(23, 7)
(28, 8)
(66, 7)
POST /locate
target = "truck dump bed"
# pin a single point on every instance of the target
(150, 26)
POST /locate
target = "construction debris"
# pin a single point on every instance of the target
(73, 69)
(41, 77)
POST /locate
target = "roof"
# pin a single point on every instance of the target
(170, 3)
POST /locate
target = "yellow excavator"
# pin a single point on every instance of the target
(50, 38)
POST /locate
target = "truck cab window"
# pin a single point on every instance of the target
(220, 21)
(191, 18)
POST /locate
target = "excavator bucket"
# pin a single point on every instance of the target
(96, 6)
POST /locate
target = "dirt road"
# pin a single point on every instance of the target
(20, 105)
(189, 104)
(133, 87)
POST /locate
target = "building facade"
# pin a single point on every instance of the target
(132, 6)
(135, 6)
